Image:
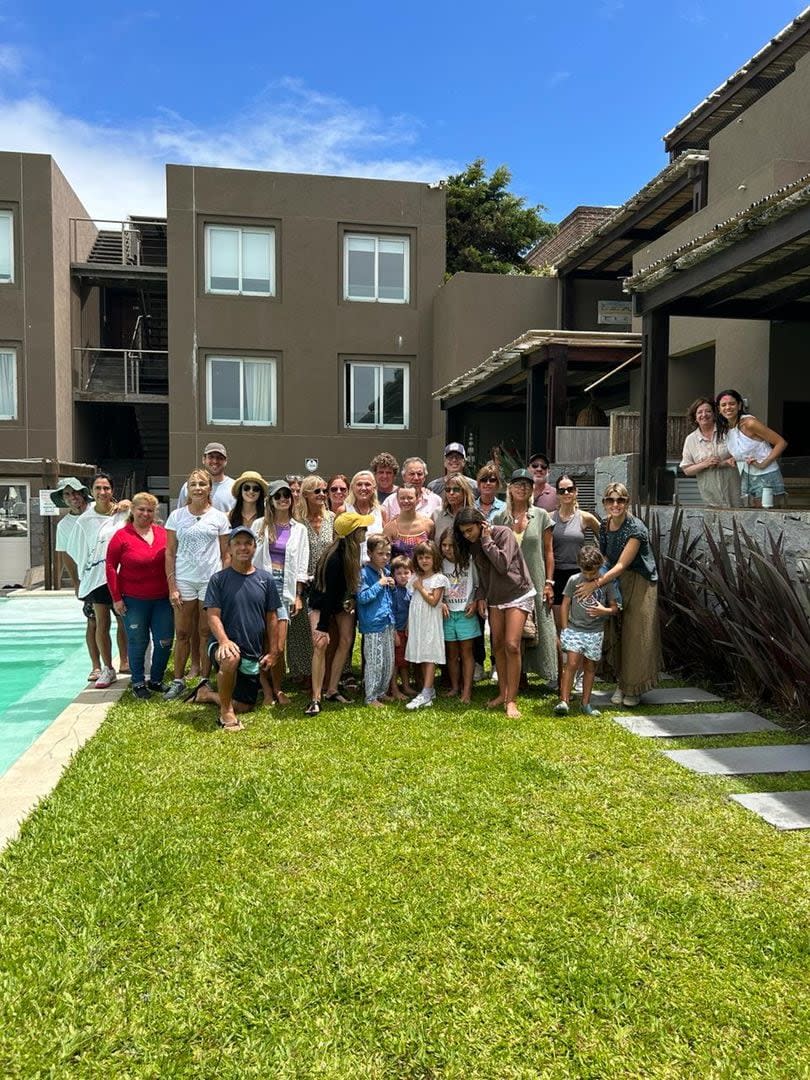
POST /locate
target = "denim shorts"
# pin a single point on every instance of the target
(753, 481)
(461, 627)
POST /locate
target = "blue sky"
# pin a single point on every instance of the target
(574, 98)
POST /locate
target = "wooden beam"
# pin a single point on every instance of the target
(754, 246)
(654, 394)
(796, 260)
(536, 410)
(556, 396)
(493, 381)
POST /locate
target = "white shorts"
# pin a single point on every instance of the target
(192, 590)
(525, 603)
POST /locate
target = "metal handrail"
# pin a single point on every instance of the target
(131, 237)
(131, 358)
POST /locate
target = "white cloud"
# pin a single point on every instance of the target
(557, 77)
(116, 171)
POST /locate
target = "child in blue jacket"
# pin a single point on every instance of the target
(375, 620)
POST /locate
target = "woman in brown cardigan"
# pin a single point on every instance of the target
(505, 586)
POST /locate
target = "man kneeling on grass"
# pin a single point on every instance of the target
(241, 602)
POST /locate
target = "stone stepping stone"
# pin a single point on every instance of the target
(782, 809)
(745, 759)
(672, 695)
(710, 723)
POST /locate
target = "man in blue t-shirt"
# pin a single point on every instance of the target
(241, 602)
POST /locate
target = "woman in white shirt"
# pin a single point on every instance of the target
(755, 448)
(196, 548)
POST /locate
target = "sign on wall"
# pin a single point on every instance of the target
(614, 312)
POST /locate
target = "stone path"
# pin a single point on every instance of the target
(783, 810)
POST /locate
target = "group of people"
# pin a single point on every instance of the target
(261, 581)
(733, 455)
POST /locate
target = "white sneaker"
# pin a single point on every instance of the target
(106, 678)
(578, 682)
(478, 673)
(618, 697)
(632, 700)
(423, 700)
(494, 675)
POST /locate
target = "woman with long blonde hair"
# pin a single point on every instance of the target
(318, 520)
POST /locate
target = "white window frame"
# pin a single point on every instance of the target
(241, 360)
(10, 215)
(376, 237)
(240, 229)
(15, 415)
(378, 365)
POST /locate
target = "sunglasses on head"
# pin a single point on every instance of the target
(251, 487)
(614, 499)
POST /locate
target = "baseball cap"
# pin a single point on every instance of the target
(521, 474)
(455, 448)
(277, 486)
(538, 455)
(58, 496)
(242, 529)
(345, 524)
(215, 448)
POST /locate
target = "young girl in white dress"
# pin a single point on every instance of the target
(425, 621)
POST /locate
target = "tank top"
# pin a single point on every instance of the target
(404, 545)
(567, 538)
(741, 446)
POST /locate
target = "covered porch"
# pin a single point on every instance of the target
(753, 266)
(526, 393)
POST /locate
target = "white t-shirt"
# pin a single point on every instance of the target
(198, 553)
(88, 546)
(463, 584)
(65, 528)
(221, 497)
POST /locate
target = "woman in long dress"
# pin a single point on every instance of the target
(319, 523)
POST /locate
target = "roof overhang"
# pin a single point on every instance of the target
(509, 363)
(754, 265)
(774, 62)
(607, 250)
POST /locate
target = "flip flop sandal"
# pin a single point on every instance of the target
(238, 726)
(338, 697)
(191, 695)
(94, 675)
(313, 708)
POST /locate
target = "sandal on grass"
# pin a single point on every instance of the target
(313, 708)
(191, 695)
(338, 697)
(226, 725)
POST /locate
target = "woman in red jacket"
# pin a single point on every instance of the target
(136, 576)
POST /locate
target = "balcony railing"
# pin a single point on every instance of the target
(109, 242)
(125, 373)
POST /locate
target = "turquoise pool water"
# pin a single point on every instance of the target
(43, 666)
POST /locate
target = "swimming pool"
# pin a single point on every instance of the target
(43, 666)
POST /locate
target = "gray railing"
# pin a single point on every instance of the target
(127, 372)
(126, 240)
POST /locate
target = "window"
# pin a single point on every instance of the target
(6, 247)
(376, 395)
(241, 391)
(375, 268)
(8, 384)
(240, 261)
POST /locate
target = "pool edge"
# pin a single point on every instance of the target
(38, 770)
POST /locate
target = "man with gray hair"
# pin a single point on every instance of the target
(414, 474)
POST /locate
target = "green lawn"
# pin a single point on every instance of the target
(377, 893)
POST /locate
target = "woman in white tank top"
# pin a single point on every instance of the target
(755, 448)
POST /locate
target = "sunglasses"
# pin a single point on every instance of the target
(614, 499)
(318, 491)
(453, 491)
(283, 495)
(339, 490)
(251, 487)
(566, 490)
(488, 480)
(539, 466)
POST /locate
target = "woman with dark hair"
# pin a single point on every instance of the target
(506, 586)
(337, 579)
(633, 647)
(706, 457)
(337, 490)
(136, 577)
(755, 447)
(250, 492)
(457, 494)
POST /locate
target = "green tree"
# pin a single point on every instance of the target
(489, 229)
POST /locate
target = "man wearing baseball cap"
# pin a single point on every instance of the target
(241, 602)
(215, 458)
(544, 494)
(455, 458)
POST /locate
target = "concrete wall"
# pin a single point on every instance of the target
(585, 297)
(307, 326)
(790, 380)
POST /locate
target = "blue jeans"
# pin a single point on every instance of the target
(145, 618)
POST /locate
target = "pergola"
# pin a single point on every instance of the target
(754, 265)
